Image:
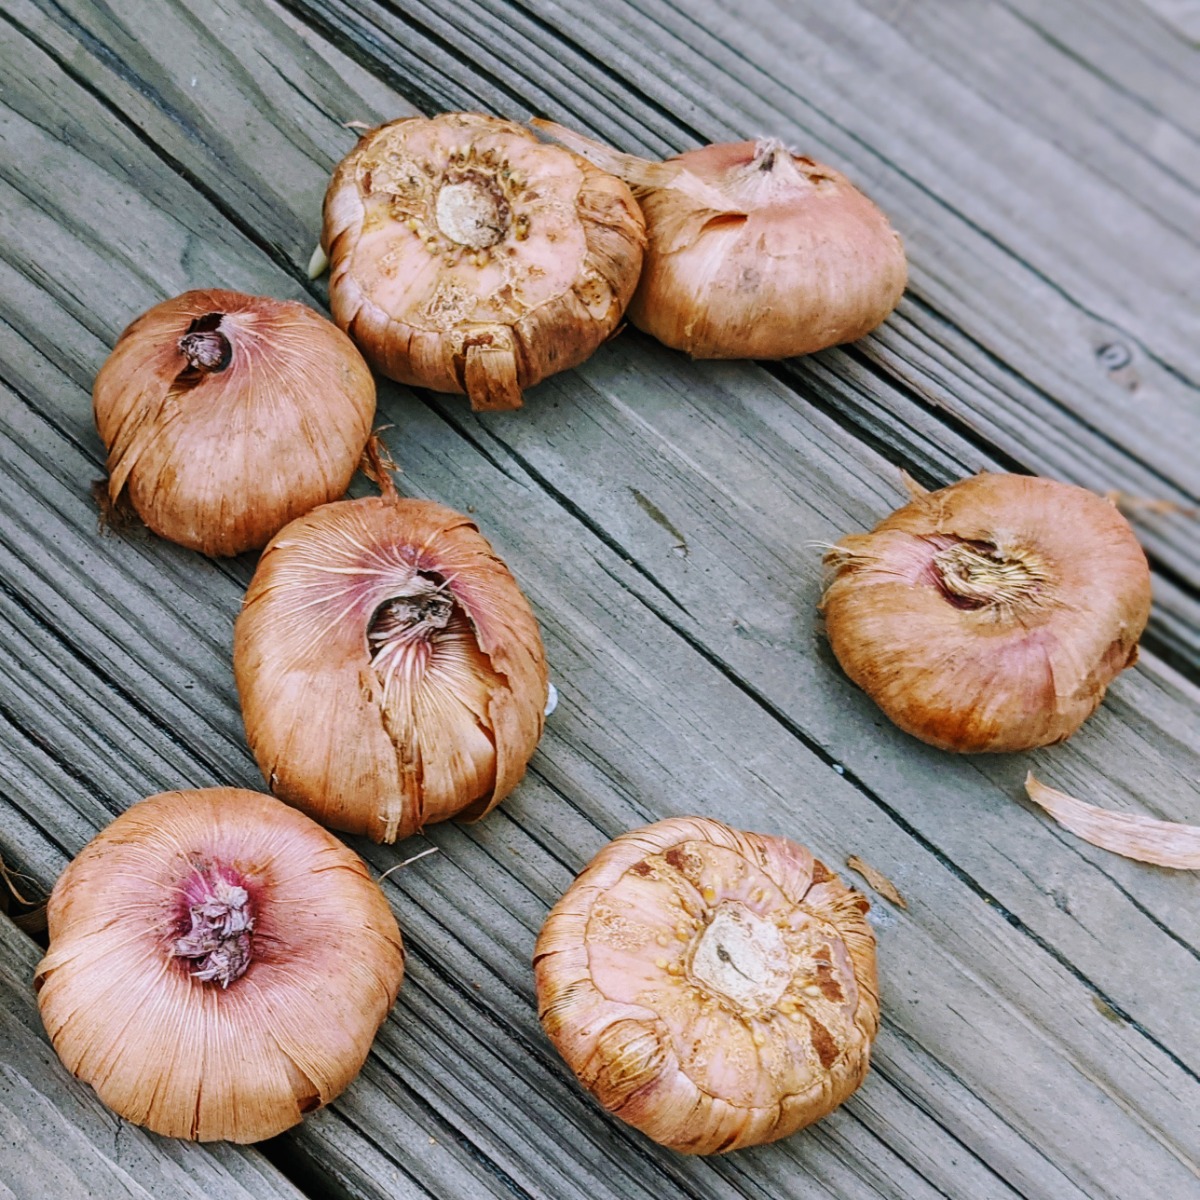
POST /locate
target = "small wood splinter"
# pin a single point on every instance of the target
(878, 880)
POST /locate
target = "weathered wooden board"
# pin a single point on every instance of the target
(57, 1139)
(443, 910)
(1038, 1039)
(1036, 325)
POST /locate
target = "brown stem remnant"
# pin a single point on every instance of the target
(404, 619)
(206, 348)
(218, 940)
(377, 465)
(979, 574)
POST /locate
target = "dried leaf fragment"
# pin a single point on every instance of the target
(878, 880)
(1133, 835)
(33, 920)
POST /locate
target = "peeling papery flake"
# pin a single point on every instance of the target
(878, 880)
(1133, 835)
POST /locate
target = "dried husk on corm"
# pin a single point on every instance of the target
(226, 415)
(990, 615)
(469, 257)
(713, 988)
(754, 251)
(218, 965)
(390, 670)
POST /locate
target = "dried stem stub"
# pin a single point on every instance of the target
(979, 574)
(205, 347)
(220, 921)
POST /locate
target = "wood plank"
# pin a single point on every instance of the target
(1113, 108)
(1181, 17)
(686, 715)
(924, 444)
(62, 1142)
(108, 744)
(120, 742)
(1043, 336)
(1138, 73)
(466, 920)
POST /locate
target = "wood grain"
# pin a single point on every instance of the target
(665, 519)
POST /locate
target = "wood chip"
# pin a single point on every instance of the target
(878, 880)
(1133, 835)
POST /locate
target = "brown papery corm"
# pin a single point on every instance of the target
(391, 672)
(713, 988)
(218, 965)
(469, 257)
(227, 415)
(992, 614)
(754, 251)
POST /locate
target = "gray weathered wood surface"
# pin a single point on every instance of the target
(1042, 161)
